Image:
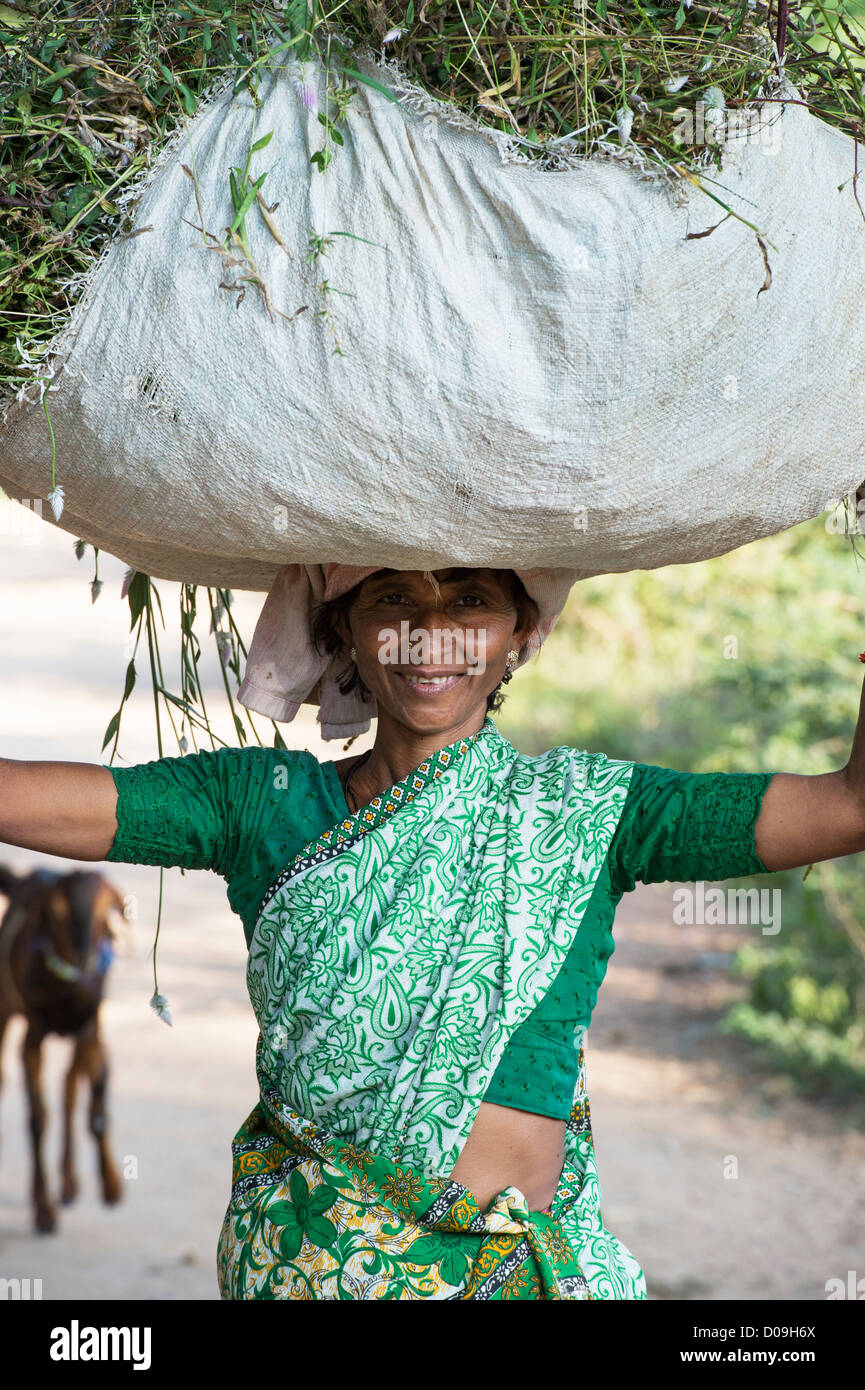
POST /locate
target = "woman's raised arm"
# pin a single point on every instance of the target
(805, 819)
(58, 808)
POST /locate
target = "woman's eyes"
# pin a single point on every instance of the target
(385, 598)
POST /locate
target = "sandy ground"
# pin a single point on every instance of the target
(675, 1106)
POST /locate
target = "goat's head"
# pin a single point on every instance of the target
(77, 913)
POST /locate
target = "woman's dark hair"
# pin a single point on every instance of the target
(327, 640)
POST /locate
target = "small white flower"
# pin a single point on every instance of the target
(184, 743)
(305, 89)
(624, 120)
(56, 498)
(713, 98)
(80, 547)
(675, 84)
(392, 35)
(159, 1004)
(226, 651)
(127, 580)
(95, 590)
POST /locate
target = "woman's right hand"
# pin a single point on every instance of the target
(58, 808)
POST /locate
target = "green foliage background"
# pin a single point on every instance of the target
(747, 662)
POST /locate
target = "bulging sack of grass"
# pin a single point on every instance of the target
(487, 361)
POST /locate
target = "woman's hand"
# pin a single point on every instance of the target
(58, 808)
(805, 819)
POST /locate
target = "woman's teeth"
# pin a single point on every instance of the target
(428, 680)
(430, 683)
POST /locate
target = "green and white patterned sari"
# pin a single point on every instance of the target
(391, 962)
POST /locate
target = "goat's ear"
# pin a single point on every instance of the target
(118, 903)
(117, 898)
(8, 881)
(116, 921)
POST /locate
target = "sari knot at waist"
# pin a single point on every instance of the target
(316, 1216)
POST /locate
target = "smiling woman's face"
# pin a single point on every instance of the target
(404, 634)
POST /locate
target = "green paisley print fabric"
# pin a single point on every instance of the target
(391, 962)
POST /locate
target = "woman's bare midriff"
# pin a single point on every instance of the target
(512, 1148)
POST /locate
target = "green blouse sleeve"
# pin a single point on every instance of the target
(198, 811)
(687, 826)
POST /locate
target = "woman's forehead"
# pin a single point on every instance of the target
(443, 575)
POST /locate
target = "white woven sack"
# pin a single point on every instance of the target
(543, 367)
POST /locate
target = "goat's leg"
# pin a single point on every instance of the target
(96, 1063)
(69, 1177)
(44, 1213)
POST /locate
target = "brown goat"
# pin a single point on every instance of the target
(56, 944)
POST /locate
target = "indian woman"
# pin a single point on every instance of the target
(428, 925)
